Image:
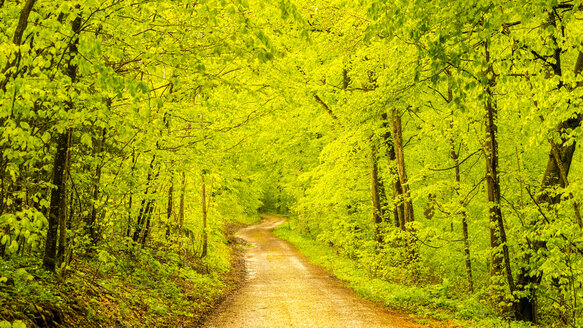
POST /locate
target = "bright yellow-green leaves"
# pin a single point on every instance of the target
(166, 87)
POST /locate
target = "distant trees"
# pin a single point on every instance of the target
(470, 94)
(102, 103)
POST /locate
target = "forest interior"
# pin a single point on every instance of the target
(424, 152)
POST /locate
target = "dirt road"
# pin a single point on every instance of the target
(283, 290)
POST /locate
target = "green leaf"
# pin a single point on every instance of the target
(13, 247)
(87, 140)
(143, 87)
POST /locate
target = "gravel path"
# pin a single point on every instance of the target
(284, 290)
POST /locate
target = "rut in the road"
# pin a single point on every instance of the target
(284, 290)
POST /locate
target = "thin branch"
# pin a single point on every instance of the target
(326, 108)
(460, 163)
(540, 210)
(465, 201)
(439, 93)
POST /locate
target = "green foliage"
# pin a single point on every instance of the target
(15, 324)
(291, 107)
(436, 300)
(123, 283)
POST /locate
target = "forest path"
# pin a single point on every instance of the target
(284, 290)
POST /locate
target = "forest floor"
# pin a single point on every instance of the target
(284, 290)
(136, 287)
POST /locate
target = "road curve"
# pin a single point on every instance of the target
(284, 290)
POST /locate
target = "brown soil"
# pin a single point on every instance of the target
(284, 290)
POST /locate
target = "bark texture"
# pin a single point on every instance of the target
(499, 254)
(60, 163)
(408, 214)
(204, 217)
(556, 175)
(375, 192)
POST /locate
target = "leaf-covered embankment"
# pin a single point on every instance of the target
(123, 286)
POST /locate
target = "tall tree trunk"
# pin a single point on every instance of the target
(464, 216)
(17, 40)
(399, 212)
(181, 209)
(5, 191)
(144, 208)
(204, 218)
(59, 164)
(92, 220)
(465, 235)
(556, 175)
(398, 199)
(375, 193)
(499, 254)
(146, 203)
(408, 214)
(131, 194)
(181, 206)
(62, 246)
(148, 219)
(169, 207)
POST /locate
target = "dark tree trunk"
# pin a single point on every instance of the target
(148, 219)
(8, 75)
(375, 192)
(559, 162)
(181, 205)
(454, 155)
(465, 235)
(398, 199)
(142, 219)
(556, 175)
(145, 205)
(92, 220)
(131, 195)
(399, 212)
(204, 218)
(62, 246)
(499, 261)
(60, 163)
(169, 208)
(408, 214)
(17, 40)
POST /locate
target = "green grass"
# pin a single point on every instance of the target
(435, 301)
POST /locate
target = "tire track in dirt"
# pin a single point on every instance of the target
(284, 290)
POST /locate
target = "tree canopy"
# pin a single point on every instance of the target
(429, 141)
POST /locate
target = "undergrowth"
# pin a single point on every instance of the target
(121, 285)
(433, 300)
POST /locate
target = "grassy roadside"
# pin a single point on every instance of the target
(434, 301)
(122, 286)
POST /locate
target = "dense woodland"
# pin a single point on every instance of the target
(430, 141)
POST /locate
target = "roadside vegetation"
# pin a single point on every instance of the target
(436, 144)
(442, 301)
(124, 286)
